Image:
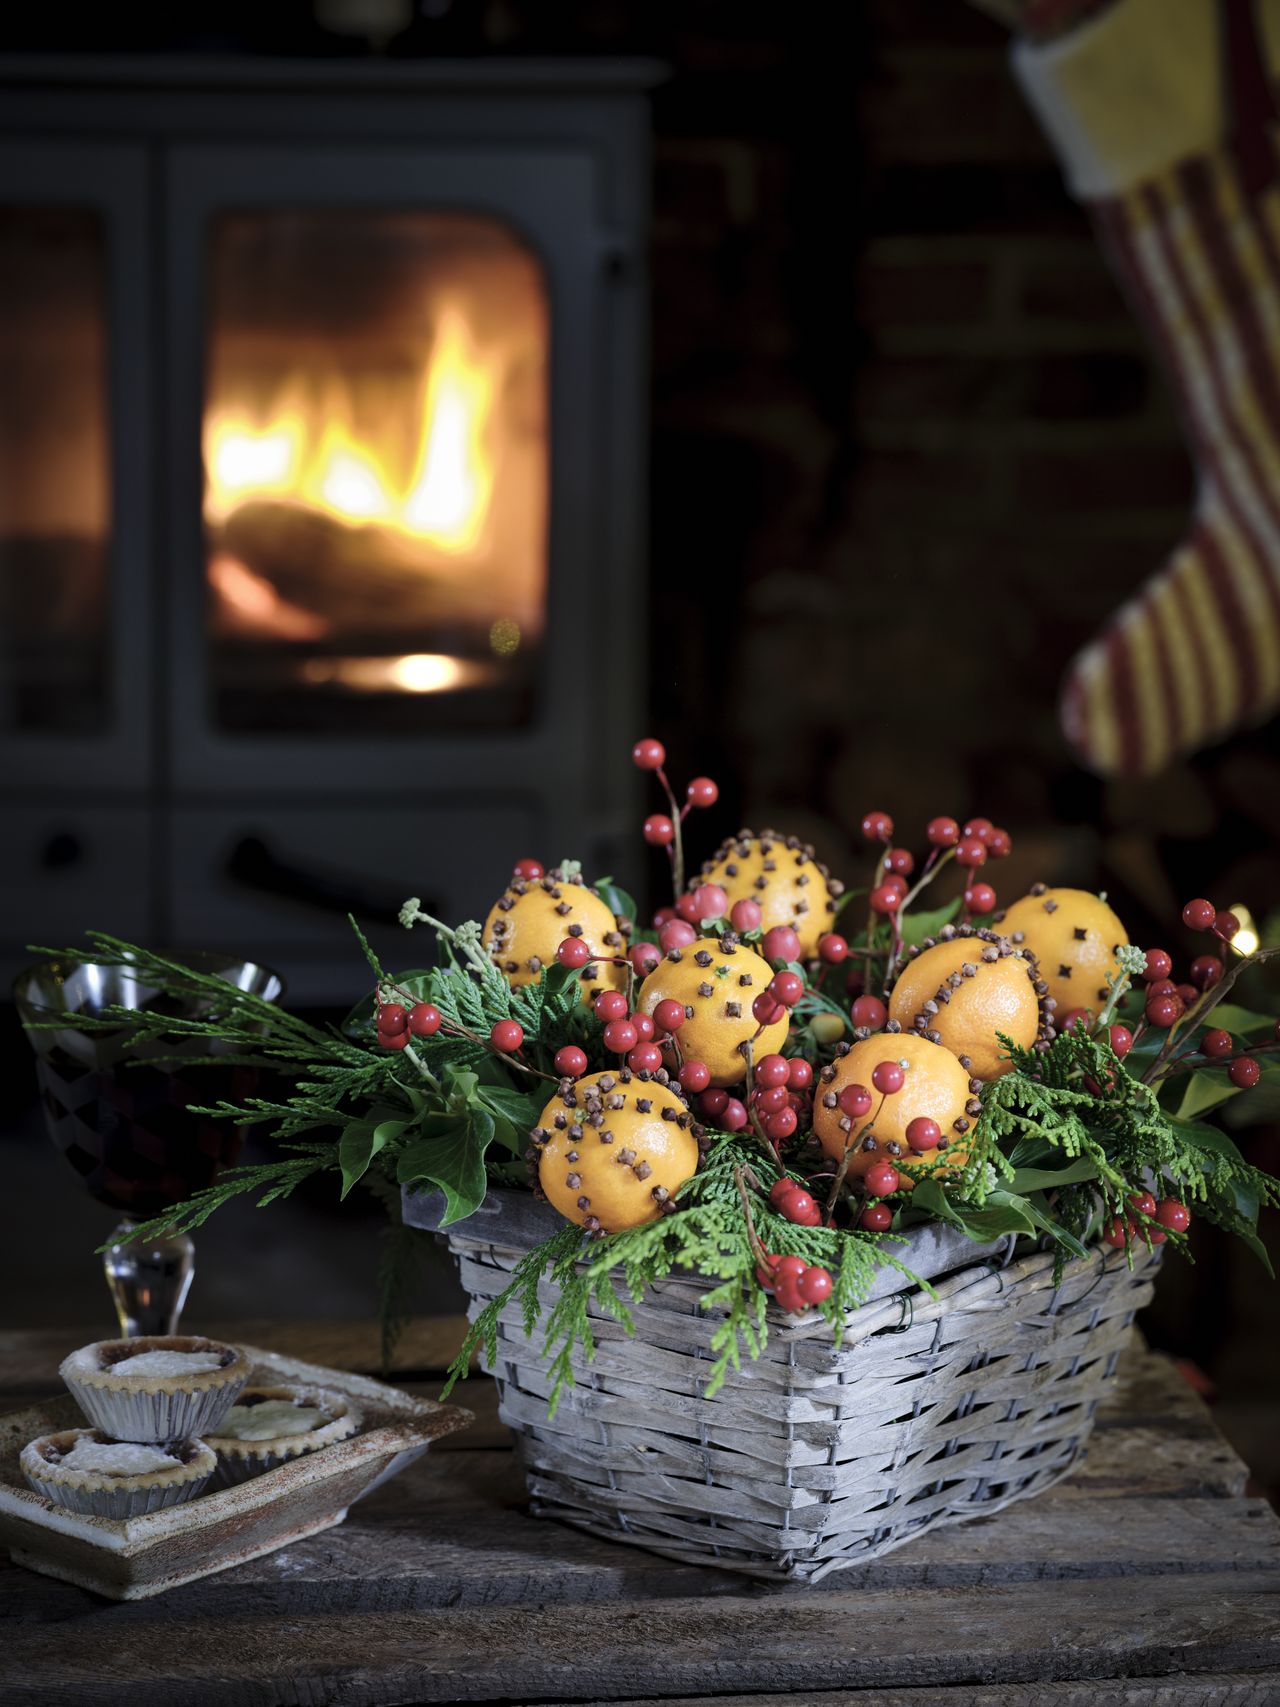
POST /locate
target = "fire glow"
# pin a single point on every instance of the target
(305, 451)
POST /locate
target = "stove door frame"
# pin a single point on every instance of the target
(548, 196)
(110, 179)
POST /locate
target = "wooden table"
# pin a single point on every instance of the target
(1148, 1579)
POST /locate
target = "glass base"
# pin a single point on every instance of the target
(149, 1280)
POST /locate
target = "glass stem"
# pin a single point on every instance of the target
(149, 1279)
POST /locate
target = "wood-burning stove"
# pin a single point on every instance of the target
(321, 491)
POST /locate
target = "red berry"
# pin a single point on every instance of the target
(885, 899)
(980, 898)
(780, 1189)
(799, 1207)
(1199, 915)
(745, 915)
(780, 943)
(855, 1101)
(780, 1125)
(570, 1062)
(1158, 965)
(1205, 971)
(530, 869)
(694, 1076)
(734, 1116)
(573, 952)
(644, 957)
(662, 915)
(799, 1074)
(999, 843)
(507, 1036)
(832, 948)
(970, 851)
(610, 1004)
(1162, 987)
(868, 1013)
(887, 1078)
(425, 1019)
(979, 828)
(901, 861)
(1076, 1019)
(787, 988)
(710, 901)
(702, 791)
(877, 826)
(392, 1018)
(943, 832)
(1144, 1203)
(1121, 1039)
(765, 1011)
(676, 933)
(686, 909)
(814, 1285)
(923, 1134)
(772, 1070)
(644, 1027)
(1188, 994)
(787, 1293)
(1156, 1235)
(658, 830)
(393, 1039)
(896, 883)
(1226, 925)
(669, 1015)
(881, 1180)
(772, 1097)
(1173, 1215)
(765, 1271)
(648, 754)
(1217, 1043)
(1244, 1072)
(1117, 1233)
(644, 1058)
(620, 1036)
(1164, 1011)
(876, 1217)
(712, 1103)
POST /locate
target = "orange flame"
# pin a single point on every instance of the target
(307, 452)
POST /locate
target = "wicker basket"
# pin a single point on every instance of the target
(932, 1410)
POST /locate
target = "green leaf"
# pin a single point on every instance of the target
(1001, 1214)
(1027, 1180)
(454, 1161)
(615, 898)
(1202, 1092)
(1208, 1138)
(1238, 1021)
(917, 926)
(514, 1113)
(360, 1143)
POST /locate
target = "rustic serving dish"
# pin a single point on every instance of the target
(142, 1556)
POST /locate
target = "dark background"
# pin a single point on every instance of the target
(908, 452)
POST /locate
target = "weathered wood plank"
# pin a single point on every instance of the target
(868, 1639)
(1240, 1689)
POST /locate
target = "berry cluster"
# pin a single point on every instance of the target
(663, 829)
(1151, 1219)
(794, 1283)
(970, 845)
(398, 1024)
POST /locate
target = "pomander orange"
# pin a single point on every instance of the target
(935, 1086)
(613, 1150)
(1074, 935)
(782, 876)
(527, 924)
(716, 979)
(967, 990)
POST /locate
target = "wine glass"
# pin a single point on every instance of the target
(118, 1110)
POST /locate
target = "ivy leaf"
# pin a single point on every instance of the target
(615, 898)
(360, 1143)
(514, 1112)
(1202, 1092)
(917, 926)
(454, 1161)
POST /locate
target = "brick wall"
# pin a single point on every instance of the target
(910, 449)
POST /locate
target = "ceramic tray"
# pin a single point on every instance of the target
(141, 1556)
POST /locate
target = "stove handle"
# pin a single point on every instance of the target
(252, 865)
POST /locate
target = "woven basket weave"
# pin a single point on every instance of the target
(811, 1458)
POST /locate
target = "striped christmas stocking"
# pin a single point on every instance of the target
(1162, 112)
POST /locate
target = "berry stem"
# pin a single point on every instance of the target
(926, 877)
(1197, 1013)
(675, 848)
(753, 1238)
(421, 1065)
